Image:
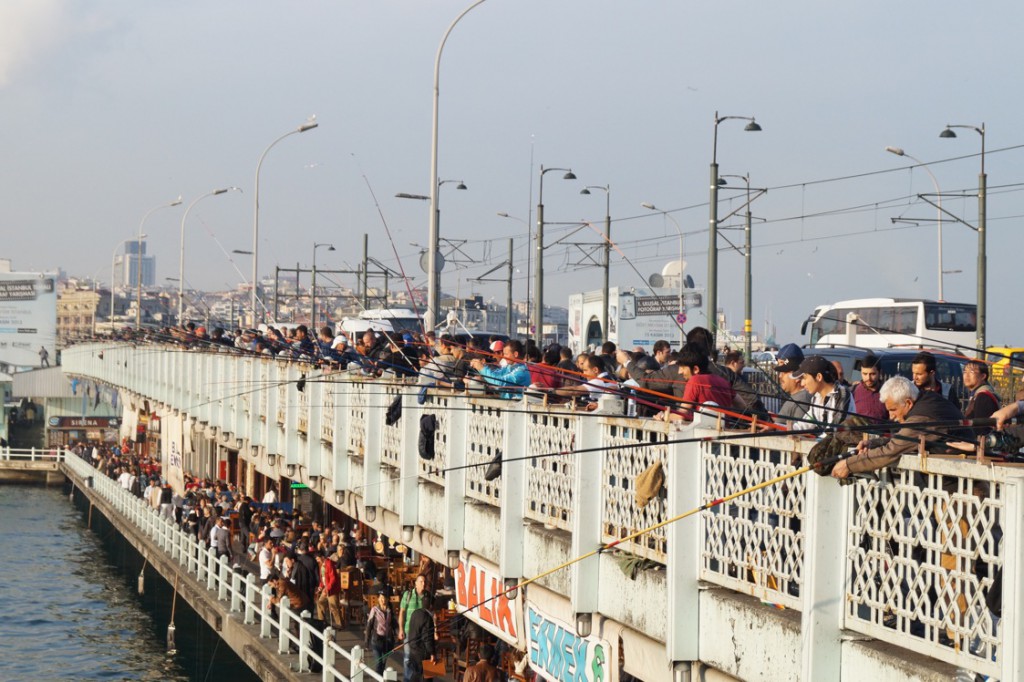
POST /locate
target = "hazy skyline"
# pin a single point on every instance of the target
(114, 107)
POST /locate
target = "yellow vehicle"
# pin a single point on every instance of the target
(1006, 361)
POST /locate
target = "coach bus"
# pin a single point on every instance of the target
(895, 323)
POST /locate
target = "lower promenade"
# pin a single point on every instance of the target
(798, 580)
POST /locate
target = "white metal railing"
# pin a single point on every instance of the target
(438, 404)
(484, 442)
(912, 562)
(9, 454)
(621, 515)
(549, 476)
(922, 556)
(755, 543)
(246, 600)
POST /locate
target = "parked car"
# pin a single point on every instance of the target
(949, 366)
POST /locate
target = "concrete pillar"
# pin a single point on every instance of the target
(513, 491)
(684, 480)
(824, 574)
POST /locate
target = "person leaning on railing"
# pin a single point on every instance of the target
(908, 405)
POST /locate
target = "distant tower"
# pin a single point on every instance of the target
(130, 262)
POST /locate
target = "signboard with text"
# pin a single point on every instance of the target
(28, 319)
(558, 654)
(479, 595)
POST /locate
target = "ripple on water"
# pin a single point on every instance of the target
(68, 613)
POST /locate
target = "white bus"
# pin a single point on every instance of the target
(894, 323)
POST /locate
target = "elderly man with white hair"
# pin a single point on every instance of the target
(906, 405)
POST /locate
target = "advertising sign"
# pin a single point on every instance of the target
(558, 654)
(479, 595)
(28, 319)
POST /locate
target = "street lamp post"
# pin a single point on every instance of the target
(138, 261)
(607, 189)
(538, 308)
(434, 273)
(308, 125)
(312, 295)
(982, 257)
(529, 258)
(898, 151)
(652, 207)
(712, 303)
(181, 257)
(748, 275)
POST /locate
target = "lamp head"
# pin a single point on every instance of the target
(461, 185)
(722, 182)
(752, 127)
(584, 191)
(569, 176)
(330, 247)
(308, 125)
(948, 132)
(649, 206)
(176, 202)
(898, 151)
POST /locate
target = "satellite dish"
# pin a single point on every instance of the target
(656, 281)
(688, 282)
(425, 262)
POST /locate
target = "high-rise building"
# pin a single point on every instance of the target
(134, 254)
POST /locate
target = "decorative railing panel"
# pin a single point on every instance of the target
(331, 386)
(355, 397)
(484, 444)
(440, 405)
(621, 467)
(550, 475)
(754, 543)
(384, 393)
(924, 556)
(282, 401)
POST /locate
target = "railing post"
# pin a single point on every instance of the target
(825, 528)
(684, 480)
(455, 481)
(236, 592)
(283, 612)
(586, 515)
(1012, 625)
(211, 568)
(304, 634)
(252, 593)
(314, 418)
(265, 611)
(225, 569)
(356, 669)
(372, 448)
(409, 484)
(513, 490)
(330, 655)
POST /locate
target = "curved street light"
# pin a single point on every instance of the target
(433, 273)
(605, 291)
(310, 124)
(138, 260)
(982, 204)
(712, 304)
(538, 307)
(181, 256)
(312, 295)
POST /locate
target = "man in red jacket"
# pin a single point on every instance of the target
(328, 591)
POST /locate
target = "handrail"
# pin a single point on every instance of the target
(291, 629)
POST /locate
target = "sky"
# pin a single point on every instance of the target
(114, 107)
